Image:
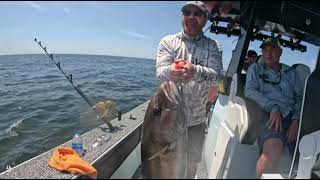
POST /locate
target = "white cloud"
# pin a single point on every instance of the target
(134, 34)
(67, 10)
(32, 4)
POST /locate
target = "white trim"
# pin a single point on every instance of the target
(300, 120)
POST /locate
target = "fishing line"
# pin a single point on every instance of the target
(104, 109)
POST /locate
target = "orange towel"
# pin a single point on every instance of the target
(67, 159)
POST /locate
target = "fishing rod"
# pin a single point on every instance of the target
(107, 107)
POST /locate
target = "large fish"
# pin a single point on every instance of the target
(164, 135)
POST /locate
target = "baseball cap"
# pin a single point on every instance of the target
(251, 53)
(198, 4)
(271, 41)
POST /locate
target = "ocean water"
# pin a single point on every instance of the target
(39, 108)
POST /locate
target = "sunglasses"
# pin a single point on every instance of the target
(188, 13)
(265, 79)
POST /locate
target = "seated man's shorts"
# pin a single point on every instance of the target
(266, 134)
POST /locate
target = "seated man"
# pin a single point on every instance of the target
(272, 85)
(251, 58)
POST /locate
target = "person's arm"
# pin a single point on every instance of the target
(212, 97)
(164, 59)
(214, 70)
(292, 133)
(252, 91)
(213, 93)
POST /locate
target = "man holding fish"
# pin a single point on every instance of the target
(189, 66)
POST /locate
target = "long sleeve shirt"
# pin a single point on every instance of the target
(206, 56)
(284, 97)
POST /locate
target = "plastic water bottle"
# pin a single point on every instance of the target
(76, 144)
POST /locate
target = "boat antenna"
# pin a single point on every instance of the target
(104, 110)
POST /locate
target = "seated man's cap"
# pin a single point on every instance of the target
(271, 41)
(198, 4)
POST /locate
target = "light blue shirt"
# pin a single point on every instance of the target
(206, 56)
(284, 97)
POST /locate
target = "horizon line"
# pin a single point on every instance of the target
(78, 54)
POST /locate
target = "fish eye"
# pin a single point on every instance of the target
(157, 111)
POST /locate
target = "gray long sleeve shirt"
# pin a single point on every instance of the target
(206, 56)
(284, 97)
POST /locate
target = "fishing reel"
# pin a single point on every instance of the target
(106, 111)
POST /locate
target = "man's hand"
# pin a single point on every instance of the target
(275, 120)
(180, 70)
(292, 132)
(189, 68)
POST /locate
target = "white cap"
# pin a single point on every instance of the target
(198, 4)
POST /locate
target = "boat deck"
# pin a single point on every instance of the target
(99, 157)
(201, 172)
(37, 167)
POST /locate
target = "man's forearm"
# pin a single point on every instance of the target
(259, 98)
(207, 74)
(162, 73)
(296, 110)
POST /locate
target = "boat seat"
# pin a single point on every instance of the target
(236, 116)
(253, 112)
(303, 71)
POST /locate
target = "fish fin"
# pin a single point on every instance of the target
(159, 152)
(172, 145)
(166, 90)
(174, 92)
(170, 90)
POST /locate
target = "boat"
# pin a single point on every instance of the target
(230, 149)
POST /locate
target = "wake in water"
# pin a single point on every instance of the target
(12, 130)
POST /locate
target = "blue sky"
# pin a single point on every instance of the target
(122, 28)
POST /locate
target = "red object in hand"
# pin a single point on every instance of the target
(180, 64)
